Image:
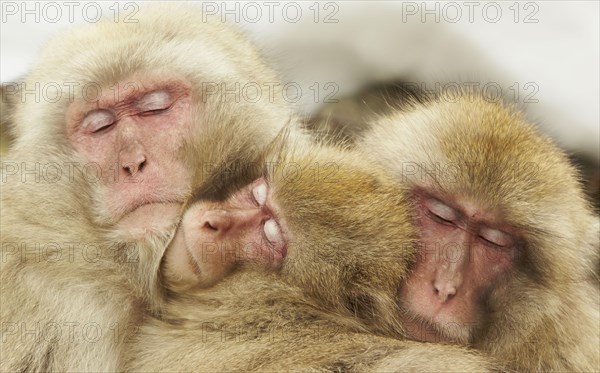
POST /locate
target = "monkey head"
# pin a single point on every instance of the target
(503, 221)
(214, 236)
(324, 219)
(121, 112)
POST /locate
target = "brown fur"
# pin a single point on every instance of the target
(351, 242)
(75, 290)
(545, 316)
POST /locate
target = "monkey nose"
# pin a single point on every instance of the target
(216, 222)
(230, 223)
(134, 164)
(444, 291)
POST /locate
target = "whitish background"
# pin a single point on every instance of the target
(544, 54)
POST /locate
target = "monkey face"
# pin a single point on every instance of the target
(133, 134)
(465, 251)
(216, 236)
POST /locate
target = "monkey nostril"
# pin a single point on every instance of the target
(130, 169)
(133, 169)
(137, 165)
(209, 226)
(450, 293)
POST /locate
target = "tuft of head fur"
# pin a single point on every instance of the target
(352, 238)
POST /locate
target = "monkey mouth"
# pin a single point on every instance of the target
(430, 329)
(149, 206)
(150, 203)
(123, 203)
(420, 329)
(150, 218)
(116, 214)
(193, 262)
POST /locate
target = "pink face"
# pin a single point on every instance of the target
(464, 253)
(130, 137)
(216, 236)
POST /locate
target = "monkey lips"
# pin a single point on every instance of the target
(439, 328)
(148, 220)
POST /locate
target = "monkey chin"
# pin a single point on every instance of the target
(148, 220)
(419, 328)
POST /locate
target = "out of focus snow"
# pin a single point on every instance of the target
(544, 51)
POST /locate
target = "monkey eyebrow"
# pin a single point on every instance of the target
(267, 174)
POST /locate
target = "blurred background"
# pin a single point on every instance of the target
(336, 56)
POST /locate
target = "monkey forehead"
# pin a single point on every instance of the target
(468, 145)
(109, 55)
(499, 154)
(355, 193)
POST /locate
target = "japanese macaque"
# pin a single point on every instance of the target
(95, 180)
(332, 239)
(508, 239)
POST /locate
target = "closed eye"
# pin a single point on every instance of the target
(272, 232)
(154, 103)
(439, 219)
(440, 211)
(495, 237)
(152, 112)
(259, 193)
(98, 121)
